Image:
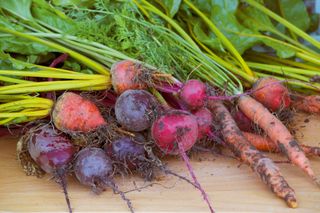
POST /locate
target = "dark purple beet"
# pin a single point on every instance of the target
(94, 168)
(136, 109)
(53, 152)
(126, 148)
(127, 151)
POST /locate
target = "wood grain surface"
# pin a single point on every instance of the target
(231, 188)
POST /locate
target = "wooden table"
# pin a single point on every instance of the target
(231, 188)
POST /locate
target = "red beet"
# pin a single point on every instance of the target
(243, 122)
(175, 127)
(175, 133)
(204, 119)
(193, 94)
(272, 94)
(53, 152)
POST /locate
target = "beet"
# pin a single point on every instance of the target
(176, 126)
(272, 94)
(204, 119)
(126, 150)
(94, 168)
(175, 133)
(73, 112)
(125, 76)
(136, 109)
(193, 94)
(129, 155)
(53, 152)
(243, 122)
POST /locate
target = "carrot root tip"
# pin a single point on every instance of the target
(292, 203)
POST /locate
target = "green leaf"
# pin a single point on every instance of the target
(295, 12)
(82, 3)
(223, 16)
(260, 22)
(172, 6)
(257, 21)
(282, 51)
(20, 8)
(22, 46)
(209, 39)
(52, 17)
(7, 63)
(10, 43)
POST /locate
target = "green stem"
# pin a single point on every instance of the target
(273, 60)
(32, 102)
(13, 80)
(53, 86)
(306, 57)
(159, 97)
(39, 113)
(49, 74)
(283, 69)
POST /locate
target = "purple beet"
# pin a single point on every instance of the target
(53, 152)
(136, 109)
(94, 168)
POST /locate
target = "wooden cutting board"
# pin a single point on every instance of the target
(231, 188)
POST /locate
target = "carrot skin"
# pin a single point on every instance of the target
(262, 165)
(277, 132)
(265, 144)
(309, 104)
(261, 143)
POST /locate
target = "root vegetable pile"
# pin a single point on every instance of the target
(109, 89)
(142, 128)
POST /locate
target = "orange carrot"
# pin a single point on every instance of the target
(310, 104)
(265, 144)
(262, 165)
(72, 112)
(261, 143)
(277, 132)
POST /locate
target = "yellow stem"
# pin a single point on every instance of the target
(309, 58)
(50, 74)
(54, 85)
(13, 80)
(21, 114)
